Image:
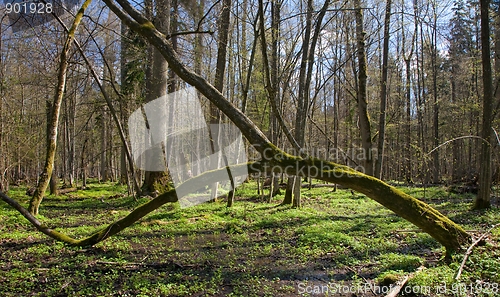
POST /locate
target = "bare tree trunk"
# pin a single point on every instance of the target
(104, 147)
(124, 46)
(483, 197)
(408, 57)
(53, 176)
(84, 165)
(383, 92)
(407, 141)
(303, 99)
(215, 116)
(275, 33)
(364, 120)
(246, 85)
(2, 160)
(43, 181)
(435, 155)
(158, 88)
(421, 98)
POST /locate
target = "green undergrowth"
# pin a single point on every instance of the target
(336, 241)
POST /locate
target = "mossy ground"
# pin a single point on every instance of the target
(337, 239)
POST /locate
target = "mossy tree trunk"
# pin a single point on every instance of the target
(449, 234)
(44, 178)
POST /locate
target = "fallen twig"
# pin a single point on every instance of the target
(469, 250)
(140, 264)
(422, 231)
(364, 279)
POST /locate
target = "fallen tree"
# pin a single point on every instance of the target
(450, 235)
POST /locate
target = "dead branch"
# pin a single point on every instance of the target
(469, 250)
(399, 285)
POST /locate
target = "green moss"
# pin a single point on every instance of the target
(389, 277)
(147, 26)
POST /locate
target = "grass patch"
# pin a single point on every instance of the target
(252, 249)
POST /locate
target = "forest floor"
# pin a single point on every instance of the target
(337, 244)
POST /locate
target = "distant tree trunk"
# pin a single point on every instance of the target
(309, 43)
(220, 71)
(408, 57)
(456, 172)
(421, 97)
(104, 173)
(383, 92)
(84, 165)
(53, 184)
(435, 155)
(364, 119)
(43, 181)
(275, 28)
(158, 88)
(483, 197)
(245, 85)
(124, 47)
(407, 145)
(172, 81)
(53, 176)
(2, 161)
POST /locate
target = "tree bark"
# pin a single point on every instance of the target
(158, 88)
(43, 181)
(364, 119)
(215, 116)
(124, 47)
(435, 155)
(245, 86)
(383, 92)
(483, 197)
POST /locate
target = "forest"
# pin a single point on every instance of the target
(249, 148)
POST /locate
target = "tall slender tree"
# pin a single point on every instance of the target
(383, 92)
(483, 196)
(361, 97)
(44, 179)
(157, 85)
